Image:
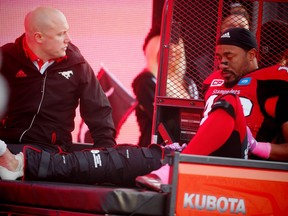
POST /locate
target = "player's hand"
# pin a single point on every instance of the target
(176, 147)
(251, 141)
(260, 149)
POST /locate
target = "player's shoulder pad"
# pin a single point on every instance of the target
(275, 72)
(225, 105)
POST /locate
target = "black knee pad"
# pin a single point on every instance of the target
(223, 104)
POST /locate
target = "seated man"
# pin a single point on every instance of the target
(263, 95)
(48, 78)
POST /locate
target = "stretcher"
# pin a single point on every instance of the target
(47, 198)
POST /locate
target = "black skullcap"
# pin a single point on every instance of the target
(240, 37)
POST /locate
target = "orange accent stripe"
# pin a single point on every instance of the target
(233, 172)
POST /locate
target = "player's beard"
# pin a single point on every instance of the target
(228, 82)
(231, 83)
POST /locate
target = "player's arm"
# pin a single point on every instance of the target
(279, 152)
(277, 108)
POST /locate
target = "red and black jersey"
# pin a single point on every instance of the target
(254, 90)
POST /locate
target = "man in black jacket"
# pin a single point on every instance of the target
(48, 77)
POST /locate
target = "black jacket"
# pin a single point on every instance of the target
(42, 108)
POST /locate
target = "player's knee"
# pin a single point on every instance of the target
(225, 102)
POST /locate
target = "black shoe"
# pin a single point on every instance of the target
(149, 181)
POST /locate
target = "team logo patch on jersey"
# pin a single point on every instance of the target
(217, 82)
(244, 81)
(66, 74)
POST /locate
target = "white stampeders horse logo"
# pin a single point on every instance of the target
(66, 74)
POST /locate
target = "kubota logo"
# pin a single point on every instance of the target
(212, 203)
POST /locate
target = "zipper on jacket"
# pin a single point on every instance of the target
(39, 106)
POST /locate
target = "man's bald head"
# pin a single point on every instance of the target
(42, 19)
(46, 33)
